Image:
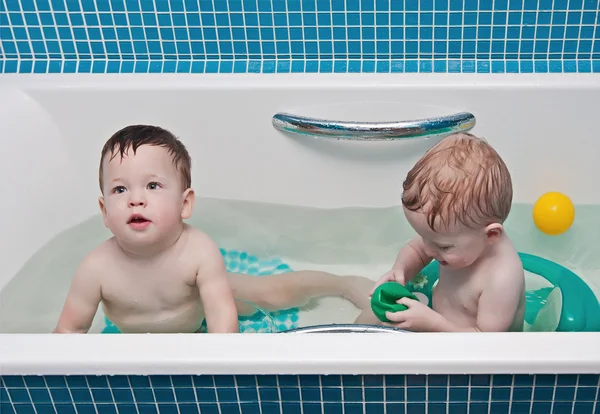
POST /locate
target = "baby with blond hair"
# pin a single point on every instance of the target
(456, 198)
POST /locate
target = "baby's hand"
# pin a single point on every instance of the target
(418, 317)
(391, 276)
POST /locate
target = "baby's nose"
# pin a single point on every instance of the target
(137, 202)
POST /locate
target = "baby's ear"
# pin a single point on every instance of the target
(102, 208)
(188, 204)
(493, 232)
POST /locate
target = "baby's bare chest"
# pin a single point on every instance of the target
(458, 291)
(158, 284)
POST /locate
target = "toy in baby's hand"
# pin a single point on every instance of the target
(385, 297)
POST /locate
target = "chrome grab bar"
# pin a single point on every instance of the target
(344, 328)
(373, 131)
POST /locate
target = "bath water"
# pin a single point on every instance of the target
(358, 241)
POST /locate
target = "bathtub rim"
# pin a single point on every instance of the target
(488, 353)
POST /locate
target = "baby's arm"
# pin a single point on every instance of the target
(499, 302)
(411, 259)
(215, 292)
(82, 299)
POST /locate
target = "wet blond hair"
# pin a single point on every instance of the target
(461, 179)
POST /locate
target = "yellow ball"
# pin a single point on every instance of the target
(553, 213)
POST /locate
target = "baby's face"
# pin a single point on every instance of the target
(455, 247)
(143, 201)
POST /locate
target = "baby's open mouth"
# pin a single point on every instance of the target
(137, 218)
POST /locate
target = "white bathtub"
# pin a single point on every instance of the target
(52, 128)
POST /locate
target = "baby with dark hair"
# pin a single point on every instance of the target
(160, 275)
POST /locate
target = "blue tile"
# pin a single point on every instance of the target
(24, 409)
(206, 394)
(268, 393)
(310, 380)
(374, 408)
(81, 395)
(44, 409)
(436, 408)
(311, 408)
(437, 380)
(148, 409)
(123, 395)
(416, 394)
(185, 408)
(373, 394)
(352, 394)
(562, 407)
(4, 395)
(310, 394)
(103, 395)
(586, 393)
(394, 380)
(478, 408)
(416, 408)
(289, 394)
(541, 407)
(229, 408)
(583, 408)
(567, 380)
(437, 394)
(19, 395)
(333, 408)
(106, 409)
(12, 381)
(39, 395)
(395, 394)
(160, 381)
(138, 381)
(500, 407)
(163, 395)
(61, 395)
(589, 380)
(65, 408)
(248, 394)
(288, 381)
(34, 381)
(249, 408)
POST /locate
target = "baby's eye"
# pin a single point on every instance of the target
(153, 185)
(118, 189)
(445, 248)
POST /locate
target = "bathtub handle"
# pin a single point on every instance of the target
(344, 328)
(373, 131)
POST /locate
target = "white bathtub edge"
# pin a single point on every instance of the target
(92, 354)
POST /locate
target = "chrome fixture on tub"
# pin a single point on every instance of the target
(344, 328)
(373, 131)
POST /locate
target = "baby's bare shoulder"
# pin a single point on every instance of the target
(200, 245)
(197, 238)
(506, 269)
(98, 261)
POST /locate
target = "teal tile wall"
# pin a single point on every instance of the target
(304, 394)
(208, 36)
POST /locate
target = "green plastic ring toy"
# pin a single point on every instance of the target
(385, 297)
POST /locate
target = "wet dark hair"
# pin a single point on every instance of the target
(134, 136)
